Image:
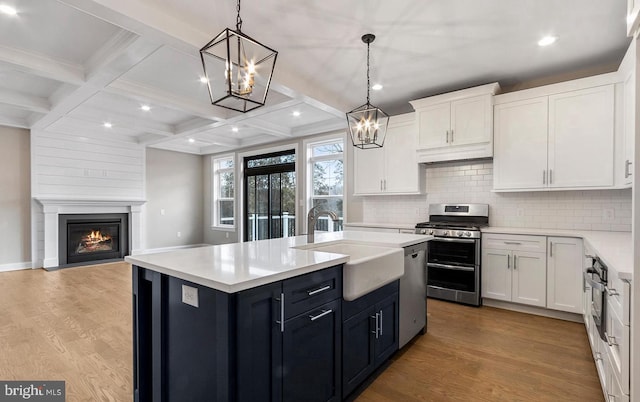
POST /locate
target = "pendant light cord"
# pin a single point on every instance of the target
(368, 44)
(238, 19)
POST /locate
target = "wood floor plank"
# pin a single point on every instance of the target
(75, 325)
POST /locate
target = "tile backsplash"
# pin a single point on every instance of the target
(471, 182)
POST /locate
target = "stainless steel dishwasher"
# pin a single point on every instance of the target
(413, 293)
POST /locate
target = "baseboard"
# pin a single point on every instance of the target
(16, 266)
(164, 249)
(522, 308)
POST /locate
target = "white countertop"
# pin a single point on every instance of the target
(614, 248)
(239, 266)
(382, 225)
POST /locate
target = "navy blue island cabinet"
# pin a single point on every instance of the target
(277, 342)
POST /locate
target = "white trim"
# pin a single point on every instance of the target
(16, 266)
(523, 308)
(240, 180)
(165, 249)
(214, 194)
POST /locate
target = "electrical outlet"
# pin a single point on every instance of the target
(227, 235)
(608, 214)
(190, 295)
(179, 234)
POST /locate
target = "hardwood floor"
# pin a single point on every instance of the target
(489, 354)
(75, 325)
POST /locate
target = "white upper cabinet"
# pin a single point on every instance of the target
(520, 144)
(392, 169)
(625, 159)
(633, 12)
(581, 130)
(456, 125)
(563, 140)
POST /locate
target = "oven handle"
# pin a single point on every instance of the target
(454, 267)
(596, 285)
(453, 240)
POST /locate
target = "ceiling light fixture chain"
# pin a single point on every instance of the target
(367, 123)
(238, 19)
(237, 69)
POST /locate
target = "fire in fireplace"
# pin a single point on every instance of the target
(92, 238)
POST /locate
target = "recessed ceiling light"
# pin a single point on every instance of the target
(547, 40)
(376, 87)
(234, 129)
(296, 113)
(5, 9)
(191, 140)
(146, 108)
(107, 124)
(204, 80)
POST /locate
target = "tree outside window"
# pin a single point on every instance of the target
(224, 192)
(326, 177)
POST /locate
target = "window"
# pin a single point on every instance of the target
(325, 175)
(223, 192)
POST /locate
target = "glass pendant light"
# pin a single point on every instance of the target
(367, 123)
(237, 69)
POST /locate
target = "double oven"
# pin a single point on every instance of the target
(453, 259)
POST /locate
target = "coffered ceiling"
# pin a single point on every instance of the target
(73, 65)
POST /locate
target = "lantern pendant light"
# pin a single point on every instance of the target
(237, 68)
(367, 123)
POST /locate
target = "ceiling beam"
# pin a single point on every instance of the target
(115, 58)
(13, 122)
(97, 115)
(42, 66)
(24, 101)
(323, 126)
(268, 127)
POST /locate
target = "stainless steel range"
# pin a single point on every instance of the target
(453, 260)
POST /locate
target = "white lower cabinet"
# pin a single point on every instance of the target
(564, 274)
(516, 272)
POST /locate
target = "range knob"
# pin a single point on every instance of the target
(468, 234)
(430, 231)
(423, 231)
(460, 233)
(445, 233)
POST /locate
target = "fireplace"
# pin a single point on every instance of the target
(91, 238)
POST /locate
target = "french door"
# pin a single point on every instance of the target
(269, 196)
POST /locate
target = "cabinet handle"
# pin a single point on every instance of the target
(281, 322)
(611, 398)
(611, 340)
(324, 312)
(452, 136)
(380, 322)
(315, 292)
(611, 292)
(627, 172)
(597, 356)
(376, 318)
(381, 185)
(550, 176)
(544, 177)
(508, 261)
(550, 249)
(517, 243)
(515, 258)
(447, 136)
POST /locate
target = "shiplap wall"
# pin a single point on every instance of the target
(88, 166)
(471, 182)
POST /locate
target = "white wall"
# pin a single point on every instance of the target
(15, 227)
(174, 186)
(95, 165)
(471, 182)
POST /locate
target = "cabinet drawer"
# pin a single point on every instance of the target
(619, 295)
(614, 389)
(618, 347)
(311, 290)
(515, 242)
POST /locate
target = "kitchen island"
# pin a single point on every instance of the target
(259, 321)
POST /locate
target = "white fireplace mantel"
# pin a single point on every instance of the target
(52, 207)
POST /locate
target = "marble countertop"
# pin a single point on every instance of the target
(614, 248)
(239, 266)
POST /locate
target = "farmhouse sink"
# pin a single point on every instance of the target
(369, 267)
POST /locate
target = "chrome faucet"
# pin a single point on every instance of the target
(313, 216)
